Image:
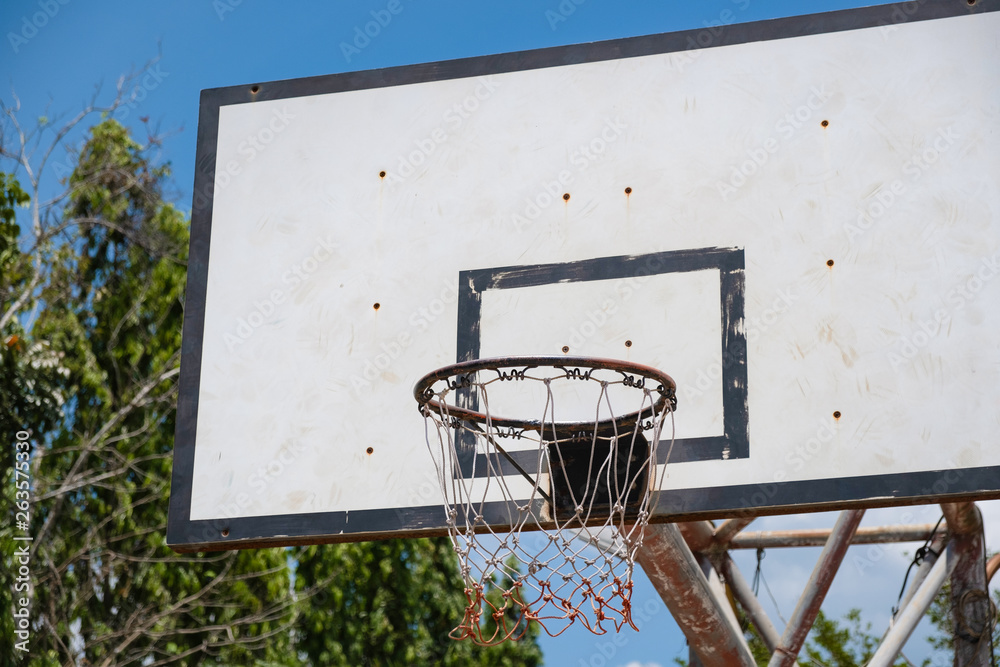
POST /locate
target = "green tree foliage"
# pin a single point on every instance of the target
(20, 379)
(392, 603)
(91, 307)
(11, 196)
(97, 302)
(835, 645)
(14, 382)
(28, 370)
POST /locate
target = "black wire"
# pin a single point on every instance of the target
(756, 575)
(918, 558)
(758, 578)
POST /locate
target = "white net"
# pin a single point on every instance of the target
(576, 481)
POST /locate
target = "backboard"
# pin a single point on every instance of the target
(798, 220)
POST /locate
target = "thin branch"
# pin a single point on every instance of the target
(169, 559)
(155, 618)
(179, 656)
(136, 401)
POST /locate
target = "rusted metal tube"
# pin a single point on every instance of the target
(728, 530)
(771, 539)
(717, 586)
(678, 578)
(910, 615)
(971, 610)
(815, 591)
(963, 518)
(751, 605)
(697, 534)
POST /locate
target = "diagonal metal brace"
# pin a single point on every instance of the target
(819, 583)
(678, 578)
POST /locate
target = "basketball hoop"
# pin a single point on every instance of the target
(571, 478)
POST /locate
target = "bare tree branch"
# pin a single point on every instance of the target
(151, 621)
(70, 480)
(23, 156)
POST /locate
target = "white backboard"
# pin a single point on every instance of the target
(799, 222)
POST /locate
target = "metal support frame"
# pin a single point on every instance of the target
(937, 546)
(729, 529)
(771, 539)
(745, 596)
(678, 578)
(697, 534)
(819, 583)
(992, 565)
(718, 589)
(679, 560)
(971, 607)
(922, 594)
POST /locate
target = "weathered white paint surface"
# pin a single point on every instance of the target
(899, 336)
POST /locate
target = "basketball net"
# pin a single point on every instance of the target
(589, 486)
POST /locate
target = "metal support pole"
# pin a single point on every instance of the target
(729, 529)
(815, 591)
(678, 578)
(971, 611)
(718, 588)
(718, 591)
(697, 534)
(770, 539)
(913, 611)
(937, 548)
(744, 595)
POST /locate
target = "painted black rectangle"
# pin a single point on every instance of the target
(733, 443)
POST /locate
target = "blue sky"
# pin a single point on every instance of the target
(55, 52)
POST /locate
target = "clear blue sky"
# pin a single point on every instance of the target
(56, 58)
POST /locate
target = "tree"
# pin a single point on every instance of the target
(836, 645)
(393, 603)
(16, 380)
(91, 306)
(95, 303)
